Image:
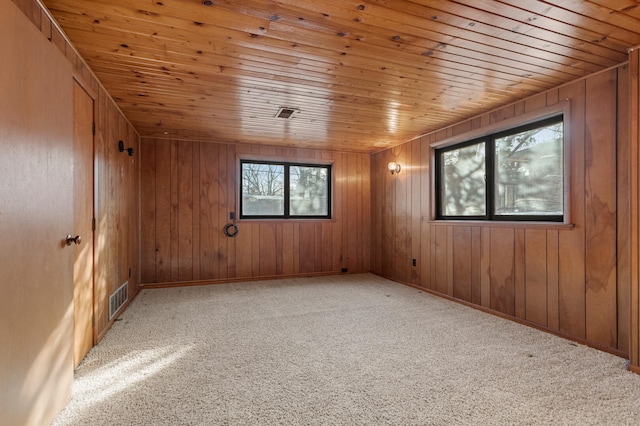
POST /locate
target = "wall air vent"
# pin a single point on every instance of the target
(286, 112)
(118, 299)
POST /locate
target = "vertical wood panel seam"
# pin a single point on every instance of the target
(634, 329)
(490, 254)
(546, 276)
(513, 272)
(155, 209)
(584, 207)
(617, 203)
(524, 273)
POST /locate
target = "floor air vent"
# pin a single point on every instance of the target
(118, 299)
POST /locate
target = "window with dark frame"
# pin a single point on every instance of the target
(513, 175)
(272, 189)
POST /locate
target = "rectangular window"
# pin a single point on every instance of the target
(516, 174)
(462, 175)
(284, 190)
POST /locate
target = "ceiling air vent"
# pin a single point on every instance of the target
(286, 113)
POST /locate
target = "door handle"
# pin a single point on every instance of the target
(71, 239)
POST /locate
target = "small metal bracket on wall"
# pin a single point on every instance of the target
(121, 148)
(231, 229)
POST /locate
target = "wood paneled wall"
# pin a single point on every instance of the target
(572, 281)
(35, 394)
(188, 190)
(117, 208)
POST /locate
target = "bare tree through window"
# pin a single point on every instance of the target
(262, 189)
(285, 190)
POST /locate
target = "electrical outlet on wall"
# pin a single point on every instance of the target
(415, 262)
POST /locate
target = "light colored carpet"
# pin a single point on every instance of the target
(341, 350)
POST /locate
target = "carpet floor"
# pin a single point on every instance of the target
(338, 350)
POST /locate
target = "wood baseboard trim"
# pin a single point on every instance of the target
(633, 368)
(240, 279)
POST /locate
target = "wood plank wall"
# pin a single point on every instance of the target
(572, 281)
(117, 179)
(117, 210)
(188, 190)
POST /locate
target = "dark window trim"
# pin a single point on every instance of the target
(438, 179)
(490, 187)
(287, 165)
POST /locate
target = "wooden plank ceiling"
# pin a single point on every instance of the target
(362, 75)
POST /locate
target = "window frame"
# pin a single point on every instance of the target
(500, 129)
(438, 180)
(286, 189)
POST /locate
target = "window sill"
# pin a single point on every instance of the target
(504, 224)
(284, 220)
